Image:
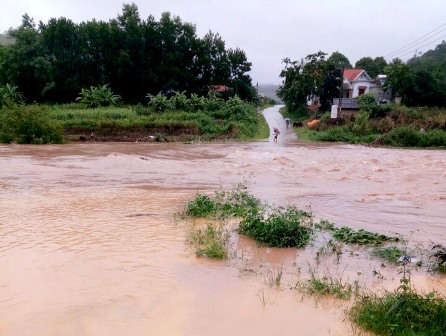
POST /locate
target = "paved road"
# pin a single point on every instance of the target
(275, 119)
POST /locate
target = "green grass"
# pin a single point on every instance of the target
(210, 241)
(391, 254)
(263, 128)
(233, 203)
(281, 227)
(394, 125)
(401, 313)
(326, 286)
(28, 125)
(359, 237)
(233, 120)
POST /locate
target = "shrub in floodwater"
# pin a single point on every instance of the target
(236, 202)
(283, 227)
(438, 259)
(210, 241)
(200, 206)
(400, 313)
(360, 237)
(390, 253)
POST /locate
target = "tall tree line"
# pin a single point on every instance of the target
(53, 61)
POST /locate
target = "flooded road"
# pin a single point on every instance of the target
(89, 244)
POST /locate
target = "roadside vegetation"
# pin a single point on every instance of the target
(380, 125)
(99, 116)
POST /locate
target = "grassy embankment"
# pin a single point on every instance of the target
(391, 125)
(233, 119)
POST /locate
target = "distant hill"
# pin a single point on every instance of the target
(269, 90)
(6, 40)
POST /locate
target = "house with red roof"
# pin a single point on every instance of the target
(357, 82)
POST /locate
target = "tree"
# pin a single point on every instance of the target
(373, 67)
(60, 40)
(333, 78)
(339, 61)
(24, 63)
(56, 60)
(239, 67)
(400, 79)
(293, 91)
(302, 79)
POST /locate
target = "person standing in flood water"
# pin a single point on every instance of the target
(276, 133)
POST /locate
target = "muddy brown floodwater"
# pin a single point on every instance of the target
(89, 244)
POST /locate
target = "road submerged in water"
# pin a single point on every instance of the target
(89, 244)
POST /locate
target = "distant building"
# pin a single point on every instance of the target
(357, 82)
(218, 88)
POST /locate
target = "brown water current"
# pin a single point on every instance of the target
(89, 244)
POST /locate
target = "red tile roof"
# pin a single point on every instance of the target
(351, 74)
(219, 88)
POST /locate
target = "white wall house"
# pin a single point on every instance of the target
(356, 83)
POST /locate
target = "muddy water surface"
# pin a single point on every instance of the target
(89, 244)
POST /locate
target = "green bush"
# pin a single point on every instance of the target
(201, 206)
(283, 227)
(410, 137)
(236, 202)
(28, 125)
(401, 313)
(97, 96)
(10, 96)
(366, 102)
(179, 101)
(434, 138)
(159, 102)
(338, 133)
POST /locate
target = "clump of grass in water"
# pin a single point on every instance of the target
(201, 206)
(402, 312)
(360, 237)
(274, 278)
(439, 259)
(237, 202)
(390, 253)
(326, 286)
(283, 227)
(210, 241)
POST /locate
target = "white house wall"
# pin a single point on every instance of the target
(357, 84)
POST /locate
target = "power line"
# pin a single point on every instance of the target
(417, 44)
(442, 37)
(417, 41)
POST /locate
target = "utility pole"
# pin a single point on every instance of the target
(340, 94)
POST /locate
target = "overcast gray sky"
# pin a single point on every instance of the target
(270, 30)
